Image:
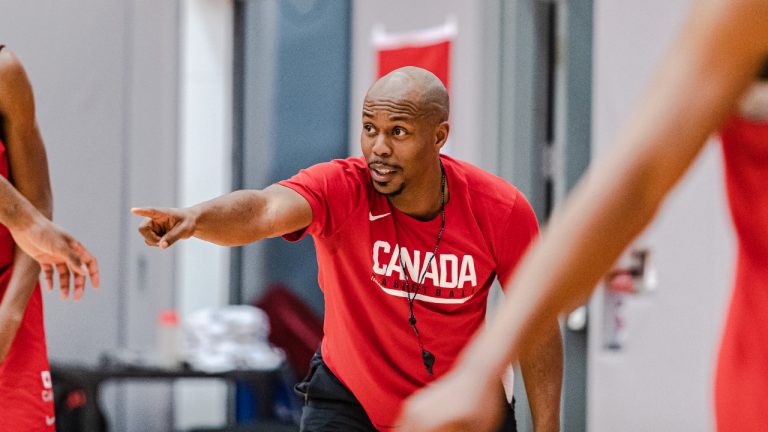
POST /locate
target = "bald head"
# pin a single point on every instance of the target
(417, 91)
(405, 125)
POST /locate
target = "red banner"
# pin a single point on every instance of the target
(429, 49)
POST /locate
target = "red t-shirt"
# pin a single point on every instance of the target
(368, 342)
(26, 394)
(741, 386)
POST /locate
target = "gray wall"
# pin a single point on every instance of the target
(295, 87)
(104, 74)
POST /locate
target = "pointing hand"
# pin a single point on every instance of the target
(163, 227)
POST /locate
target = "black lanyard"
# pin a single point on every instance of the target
(426, 356)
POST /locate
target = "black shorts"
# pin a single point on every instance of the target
(329, 406)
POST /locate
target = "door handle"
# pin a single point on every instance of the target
(636, 276)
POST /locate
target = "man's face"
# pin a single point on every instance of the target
(398, 141)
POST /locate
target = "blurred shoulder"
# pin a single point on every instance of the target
(10, 65)
(15, 89)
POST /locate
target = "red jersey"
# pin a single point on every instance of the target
(361, 242)
(741, 389)
(26, 394)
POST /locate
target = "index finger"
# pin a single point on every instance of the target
(148, 212)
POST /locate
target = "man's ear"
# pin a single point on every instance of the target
(441, 134)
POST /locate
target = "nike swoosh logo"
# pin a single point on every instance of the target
(50, 420)
(373, 218)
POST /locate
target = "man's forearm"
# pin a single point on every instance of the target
(233, 219)
(542, 368)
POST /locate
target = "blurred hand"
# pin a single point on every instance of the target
(163, 227)
(456, 402)
(52, 247)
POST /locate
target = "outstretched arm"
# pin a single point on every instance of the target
(234, 219)
(709, 67)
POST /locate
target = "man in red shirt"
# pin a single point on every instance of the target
(27, 238)
(408, 244)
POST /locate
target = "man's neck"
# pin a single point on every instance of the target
(425, 201)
